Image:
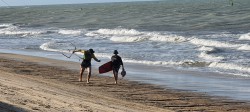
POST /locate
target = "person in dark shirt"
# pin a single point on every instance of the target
(116, 64)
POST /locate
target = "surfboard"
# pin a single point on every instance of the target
(106, 67)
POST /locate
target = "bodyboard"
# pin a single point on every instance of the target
(105, 67)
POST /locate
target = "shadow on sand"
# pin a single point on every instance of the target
(5, 107)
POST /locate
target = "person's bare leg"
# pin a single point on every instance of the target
(81, 72)
(89, 74)
(115, 76)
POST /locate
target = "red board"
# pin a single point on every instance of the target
(105, 67)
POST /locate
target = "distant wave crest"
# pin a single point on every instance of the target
(70, 32)
(245, 36)
(132, 35)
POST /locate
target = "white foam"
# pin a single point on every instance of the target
(103, 55)
(146, 62)
(118, 31)
(245, 36)
(70, 32)
(46, 46)
(24, 33)
(186, 63)
(207, 51)
(205, 48)
(244, 47)
(229, 66)
(15, 30)
(212, 43)
(166, 38)
(127, 38)
(131, 35)
(5, 25)
(210, 57)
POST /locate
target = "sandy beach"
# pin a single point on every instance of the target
(39, 84)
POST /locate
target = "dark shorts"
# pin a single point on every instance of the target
(85, 63)
(116, 68)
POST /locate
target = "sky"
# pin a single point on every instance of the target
(50, 2)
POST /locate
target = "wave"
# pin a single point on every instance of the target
(132, 35)
(119, 31)
(9, 29)
(213, 43)
(206, 53)
(127, 38)
(229, 66)
(209, 50)
(70, 32)
(22, 33)
(210, 57)
(244, 47)
(186, 63)
(47, 46)
(166, 38)
(245, 36)
(197, 64)
(5, 25)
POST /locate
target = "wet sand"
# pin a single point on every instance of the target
(39, 84)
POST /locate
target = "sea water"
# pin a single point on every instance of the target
(198, 45)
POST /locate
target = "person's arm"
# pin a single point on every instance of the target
(93, 56)
(122, 63)
(79, 50)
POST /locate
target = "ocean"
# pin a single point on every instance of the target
(196, 45)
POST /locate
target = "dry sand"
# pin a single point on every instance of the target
(46, 85)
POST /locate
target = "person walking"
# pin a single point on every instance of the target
(86, 62)
(116, 64)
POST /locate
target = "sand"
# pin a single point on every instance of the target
(45, 85)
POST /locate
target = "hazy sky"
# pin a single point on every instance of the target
(46, 2)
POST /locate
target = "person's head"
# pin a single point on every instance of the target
(91, 51)
(115, 52)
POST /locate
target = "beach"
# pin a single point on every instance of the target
(31, 83)
(181, 56)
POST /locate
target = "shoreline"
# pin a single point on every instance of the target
(60, 81)
(212, 83)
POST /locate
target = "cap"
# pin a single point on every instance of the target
(115, 52)
(91, 51)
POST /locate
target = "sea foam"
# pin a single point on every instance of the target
(245, 36)
(46, 46)
(132, 35)
(212, 43)
(70, 32)
(229, 66)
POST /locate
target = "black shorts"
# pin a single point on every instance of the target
(116, 68)
(85, 63)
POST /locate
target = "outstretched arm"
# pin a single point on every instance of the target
(79, 50)
(93, 56)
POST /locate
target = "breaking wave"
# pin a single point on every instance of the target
(245, 36)
(229, 66)
(131, 35)
(212, 43)
(70, 32)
